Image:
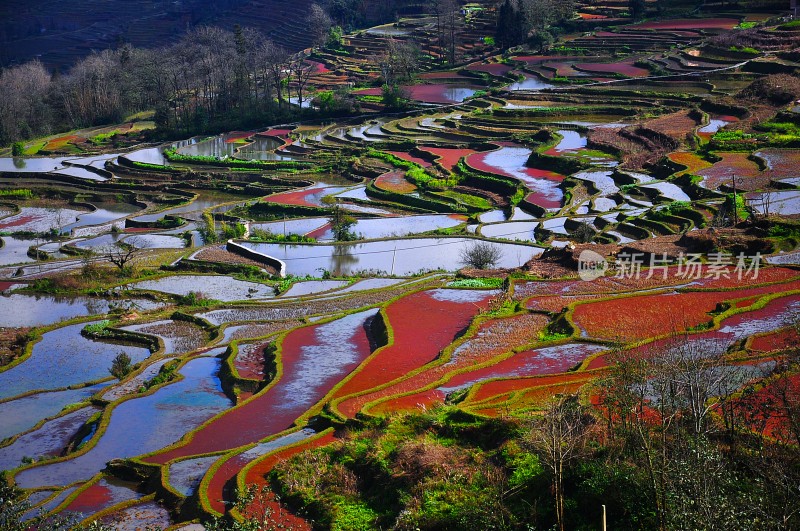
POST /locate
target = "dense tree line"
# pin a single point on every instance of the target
(531, 21)
(211, 79)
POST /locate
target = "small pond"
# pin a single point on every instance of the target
(153, 155)
(32, 164)
(313, 286)
(570, 141)
(81, 173)
(291, 226)
(601, 180)
(387, 31)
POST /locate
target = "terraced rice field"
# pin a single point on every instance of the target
(253, 335)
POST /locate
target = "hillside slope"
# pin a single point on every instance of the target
(59, 32)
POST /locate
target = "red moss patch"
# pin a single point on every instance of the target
(773, 311)
(748, 176)
(493, 339)
(693, 162)
(775, 341)
(295, 197)
(17, 221)
(626, 68)
(411, 158)
(766, 411)
(444, 75)
(395, 181)
(280, 517)
(318, 233)
(765, 275)
(422, 327)
(503, 388)
(94, 498)
(640, 317)
(448, 157)
(319, 68)
(250, 361)
(282, 133)
(537, 59)
(235, 136)
(57, 144)
(495, 69)
(781, 163)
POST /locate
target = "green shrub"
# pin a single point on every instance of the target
(476, 283)
(195, 298)
(744, 49)
(261, 235)
(97, 329)
(414, 172)
(20, 193)
(121, 366)
(165, 374)
(232, 230)
(353, 516)
(17, 149)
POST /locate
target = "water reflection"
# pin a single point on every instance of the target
(395, 257)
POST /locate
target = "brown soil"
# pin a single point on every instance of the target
(11, 344)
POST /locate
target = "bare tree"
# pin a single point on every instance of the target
(122, 253)
(23, 111)
(301, 72)
(480, 255)
(764, 201)
(275, 61)
(399, 61)
(558, 436)
(448, 20)
(319, 24)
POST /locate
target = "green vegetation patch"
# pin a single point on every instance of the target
(20, 193)
(477, 283)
